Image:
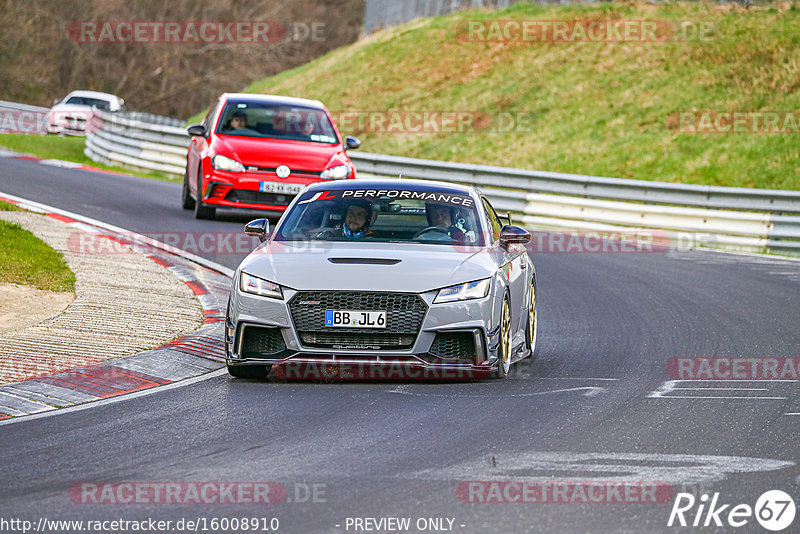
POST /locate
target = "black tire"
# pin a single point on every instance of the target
(531, 327)
(187, 202)
(504, 348)
(201, 209)
(249, 371)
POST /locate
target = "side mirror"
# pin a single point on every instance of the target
(260, 228)
(351, 143)
(56, 101)
(196, 130)
(513, 234)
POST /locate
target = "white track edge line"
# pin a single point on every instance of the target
(157, 244)
(119, 398)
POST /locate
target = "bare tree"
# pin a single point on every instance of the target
(41, 59)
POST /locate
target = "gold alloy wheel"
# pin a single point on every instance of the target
(532, 322)
(504, 363)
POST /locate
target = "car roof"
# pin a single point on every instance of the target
(93, 94)
(392, 183)
(274, 99)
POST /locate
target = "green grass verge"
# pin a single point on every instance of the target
(599, 108)
(66, 148)
(7, 206)
(25, 259)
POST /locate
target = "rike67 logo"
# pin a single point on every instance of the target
(774, 510)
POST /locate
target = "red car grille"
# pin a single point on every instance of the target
(295, 172)
(257, 197)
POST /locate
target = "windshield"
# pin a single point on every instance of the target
(86, 101)
(257, 119)
(385, 215)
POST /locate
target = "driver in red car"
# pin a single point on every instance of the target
(238, 120)
(239, 126)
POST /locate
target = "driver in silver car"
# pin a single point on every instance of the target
(448, 218)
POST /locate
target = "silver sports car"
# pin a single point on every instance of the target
(398, 279)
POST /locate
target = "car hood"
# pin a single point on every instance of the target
(422, 267)
(274, 152)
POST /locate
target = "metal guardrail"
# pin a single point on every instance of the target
(22, 118)
(585, 186)
(22, 107)
(734, 218)
(140, 140)
(759, 220)
(380, 14)
(149, 118)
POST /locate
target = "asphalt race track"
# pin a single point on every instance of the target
(597, 403)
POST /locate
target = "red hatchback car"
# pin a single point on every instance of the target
(259, 151)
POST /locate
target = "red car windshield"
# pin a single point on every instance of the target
(271, 121)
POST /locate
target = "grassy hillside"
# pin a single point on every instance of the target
(605, 108)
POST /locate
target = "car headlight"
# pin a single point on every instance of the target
(340, 172)
(226, 164)
(470, 290)
(258, 286)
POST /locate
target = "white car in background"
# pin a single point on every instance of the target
(71, 114)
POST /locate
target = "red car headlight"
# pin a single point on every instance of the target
(340, 172)
(223, 163)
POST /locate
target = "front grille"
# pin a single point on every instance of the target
(257, 197)
(404, 315)
(293, 171)
(346, 340)
(261, 341)
(459, 345)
